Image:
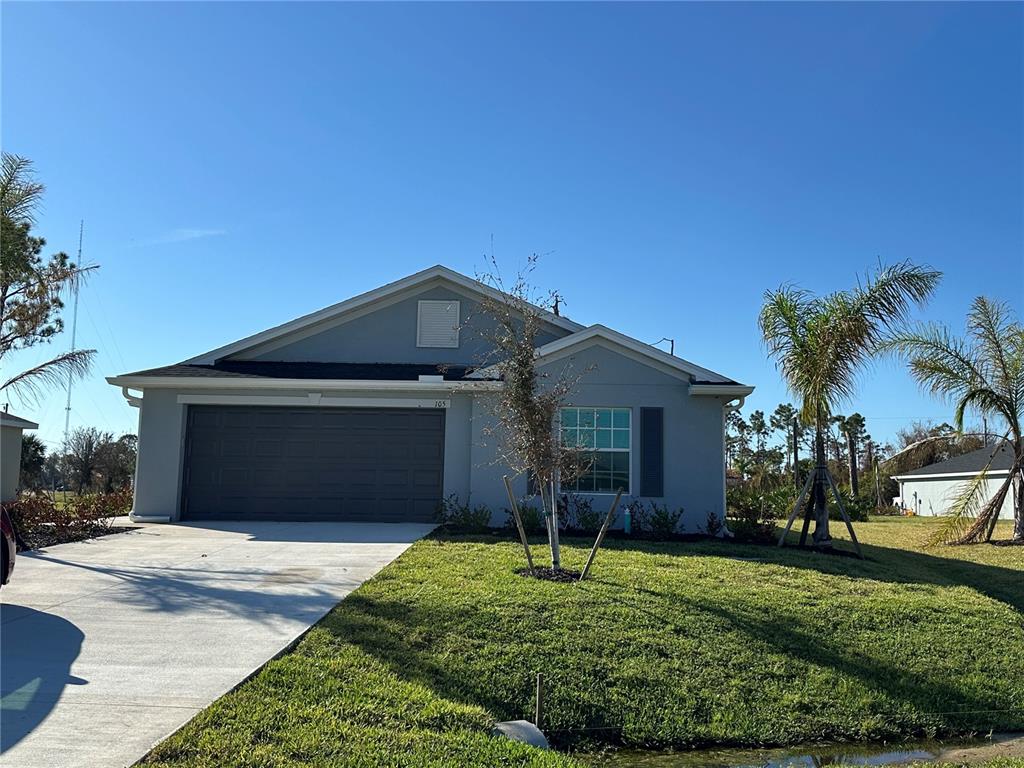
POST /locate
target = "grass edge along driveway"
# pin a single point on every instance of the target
(668, 645)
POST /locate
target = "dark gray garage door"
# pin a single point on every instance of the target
(313, 463)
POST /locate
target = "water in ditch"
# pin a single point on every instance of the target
(964, 751)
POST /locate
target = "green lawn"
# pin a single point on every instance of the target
(667, 645)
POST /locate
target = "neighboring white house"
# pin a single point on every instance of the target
(930, 490)
(11, 427)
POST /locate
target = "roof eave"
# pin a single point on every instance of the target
(227, 382)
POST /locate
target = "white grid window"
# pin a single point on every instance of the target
(607, 433)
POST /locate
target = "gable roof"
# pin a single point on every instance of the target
(966, 464)
(336, 311)
(702, 380)
(10, 420)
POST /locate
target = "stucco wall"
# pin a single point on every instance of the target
(388, 335)
(934, 495)
(10, 462)
(693, 450)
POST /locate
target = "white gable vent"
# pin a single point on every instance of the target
(437, 324)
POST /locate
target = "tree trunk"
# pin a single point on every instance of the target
(821, 538)
(851, 446)
(796, 454)
(552, 518)
(1018, 509)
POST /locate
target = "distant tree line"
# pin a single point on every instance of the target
(91, 461)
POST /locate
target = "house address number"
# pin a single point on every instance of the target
(442, 403)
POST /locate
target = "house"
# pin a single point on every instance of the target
(371, 410)
(11, 427)
(929, 490)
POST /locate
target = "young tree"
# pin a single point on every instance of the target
(82, 456)
(31, 288)
(527, 406)
(984, 372)
(784, 419)
(115, 463)
(822, 343)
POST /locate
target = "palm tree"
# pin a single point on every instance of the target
(983, 372)
(31, 289)
(821, 344)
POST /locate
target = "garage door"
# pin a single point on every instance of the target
(355, 464)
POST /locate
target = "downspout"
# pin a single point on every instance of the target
(133, 400)
(727, 407)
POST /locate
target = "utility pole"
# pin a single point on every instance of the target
(74, 333)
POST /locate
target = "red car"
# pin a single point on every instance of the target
(7, 547)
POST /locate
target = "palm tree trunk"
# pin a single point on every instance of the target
(821, 537)
(1018, 507)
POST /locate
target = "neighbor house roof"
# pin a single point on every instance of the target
(966, 464)
(254, 369)
(10, 420)
(326, 315)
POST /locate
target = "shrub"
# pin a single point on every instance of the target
(662, 521)
(749, 514)
(638, 514)
(713, 525)
(455, 514)
(532, 517)
(40, 522)
(580, 513)
(857, 507)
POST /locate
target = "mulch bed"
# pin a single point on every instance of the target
(42, 539)
(550, 574)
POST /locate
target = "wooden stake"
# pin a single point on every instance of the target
(538, 706)
(600, 535)
(796, 508)
(842, 511)
(519, 521)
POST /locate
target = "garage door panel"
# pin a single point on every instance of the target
(313, 463)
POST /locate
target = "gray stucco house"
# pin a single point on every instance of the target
(930, 490)
(371, 410)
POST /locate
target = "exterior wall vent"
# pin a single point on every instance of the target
(437, 324)
(430, 377)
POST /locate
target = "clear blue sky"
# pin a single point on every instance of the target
(238, 165)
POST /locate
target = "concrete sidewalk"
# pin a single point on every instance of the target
(110, 645)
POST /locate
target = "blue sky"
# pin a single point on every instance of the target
(240, 164)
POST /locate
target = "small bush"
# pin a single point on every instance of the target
(580, 513)
(750, 516)
(532, 517)
(713, 525)
(638, 514)
(662, 521)
(41, 522)
(454, 514)
(857, 507)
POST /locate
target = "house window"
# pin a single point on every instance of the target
(437, 324)
(606, 434)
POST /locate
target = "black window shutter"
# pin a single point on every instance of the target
(652, 452)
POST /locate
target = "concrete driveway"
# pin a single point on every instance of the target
(110, 645)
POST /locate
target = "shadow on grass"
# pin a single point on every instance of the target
(408, 635)
(888, 564)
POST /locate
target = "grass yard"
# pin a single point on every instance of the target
(667, 645)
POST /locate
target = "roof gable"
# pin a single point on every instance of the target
(357, 306)
(703, 381)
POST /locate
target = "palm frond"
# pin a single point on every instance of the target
(963, 510)
(31, 384)
(20, 193)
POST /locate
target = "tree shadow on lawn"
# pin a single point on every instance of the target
(397, 632)
(892, 565)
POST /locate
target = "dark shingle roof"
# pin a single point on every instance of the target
(968, 463)
(254, 369)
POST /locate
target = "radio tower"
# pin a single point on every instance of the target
(74, 332)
